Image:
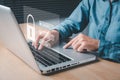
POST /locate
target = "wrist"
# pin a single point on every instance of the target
(56, 34)
(55, 31)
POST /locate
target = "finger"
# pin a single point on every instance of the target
(37, 41)
(75, 42)
(42, 43)
(35, 45)
(40, 36)
(81, 48)
(76, 46)
(68, 44)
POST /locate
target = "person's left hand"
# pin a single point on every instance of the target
(82, 43)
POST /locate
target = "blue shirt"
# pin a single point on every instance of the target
(103, 19)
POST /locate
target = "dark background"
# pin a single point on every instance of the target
(61, 7)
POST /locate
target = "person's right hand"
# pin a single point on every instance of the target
(50, 37)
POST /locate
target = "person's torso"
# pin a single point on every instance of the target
(104, 20)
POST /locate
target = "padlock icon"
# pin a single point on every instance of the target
(30, 29)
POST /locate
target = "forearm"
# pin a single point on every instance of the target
(76, 22)
(67, 28)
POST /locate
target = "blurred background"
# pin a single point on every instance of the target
(55, 10)
(63, 8)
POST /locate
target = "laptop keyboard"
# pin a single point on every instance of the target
(47, 56)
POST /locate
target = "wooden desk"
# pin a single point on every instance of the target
(12, 68)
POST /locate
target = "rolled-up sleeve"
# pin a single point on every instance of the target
(76, 22)
(109, 50)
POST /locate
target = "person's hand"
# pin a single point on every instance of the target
(49, 37)
(82, 43)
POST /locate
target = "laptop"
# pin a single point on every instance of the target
(46, 61)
